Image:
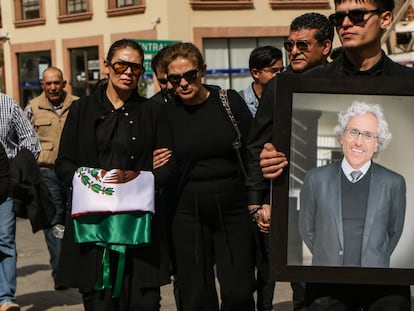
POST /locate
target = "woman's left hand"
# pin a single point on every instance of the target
(262, 218)
(161, 157)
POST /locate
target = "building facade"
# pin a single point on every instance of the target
(74, 35)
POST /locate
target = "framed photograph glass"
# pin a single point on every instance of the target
(305, 114)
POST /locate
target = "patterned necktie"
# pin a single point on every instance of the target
(355, 175)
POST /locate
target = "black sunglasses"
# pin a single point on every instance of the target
(355, 16)
(190, 76)
(162, 81)
(121, 66)
(273, 70)
(302, 45)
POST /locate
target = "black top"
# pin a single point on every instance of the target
(95, 133)
(203, 138)
(159, 97)
(261, 130)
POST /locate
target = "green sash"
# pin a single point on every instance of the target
(113, 232)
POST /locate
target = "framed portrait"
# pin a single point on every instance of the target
(305, 114)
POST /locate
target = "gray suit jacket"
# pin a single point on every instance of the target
(320, 216)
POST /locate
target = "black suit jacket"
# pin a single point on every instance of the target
(78, 147)
(31, 197)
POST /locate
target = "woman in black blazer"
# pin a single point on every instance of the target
(115, 128)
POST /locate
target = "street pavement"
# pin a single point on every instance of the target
(35, 288)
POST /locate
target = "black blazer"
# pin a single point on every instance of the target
(31, 197)
(78, 147)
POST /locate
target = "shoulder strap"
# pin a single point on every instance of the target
(226, 104)
(237, 142)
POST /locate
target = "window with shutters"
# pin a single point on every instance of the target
(299, 4)
(74, 10)
(221, 4)
(125, 7)
(29, 13)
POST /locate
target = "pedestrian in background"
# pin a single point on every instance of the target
(48, 113)
(16, 133)
(166, 89)
(309, 44)
(265, 62)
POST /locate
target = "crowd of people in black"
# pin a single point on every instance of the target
(176, 187)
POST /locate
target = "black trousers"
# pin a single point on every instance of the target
(141, 299)
(213, 230)
(355, 297)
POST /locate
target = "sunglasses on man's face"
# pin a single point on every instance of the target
(162, 81)
(273, 70)
(121, 66)
(190, 76)
(356, 16)
(301, 45)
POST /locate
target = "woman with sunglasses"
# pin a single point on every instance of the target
(114, 130)
(211, 226)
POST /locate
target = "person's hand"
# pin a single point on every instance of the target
(160, 157)
(261, 217)
(117, 176)
(272, 161)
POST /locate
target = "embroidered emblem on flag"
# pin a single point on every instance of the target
(96, 191)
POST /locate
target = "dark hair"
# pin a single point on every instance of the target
(317, 21)
(336, 52)
(124, 43)
(102, 83)
(264, 56)
(184, 50)
(383, 5)
(157, 59)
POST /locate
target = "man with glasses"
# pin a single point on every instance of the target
(359, 25)
(339, 208)
(166, 89)
(340, 202)
(265, 62)
(308, 45)
(166, 196)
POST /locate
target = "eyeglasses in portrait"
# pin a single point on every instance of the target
(326, 225)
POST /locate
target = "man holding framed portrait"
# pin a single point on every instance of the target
(359, 25)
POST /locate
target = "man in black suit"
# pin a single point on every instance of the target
(359, 25)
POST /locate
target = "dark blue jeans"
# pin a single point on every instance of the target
(58, 192)
(7, 251)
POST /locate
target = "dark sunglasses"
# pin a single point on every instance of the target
(190, 76)
(273, 70)
(162, 81)
(301, 45)
(355, 16)
(121, 66)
